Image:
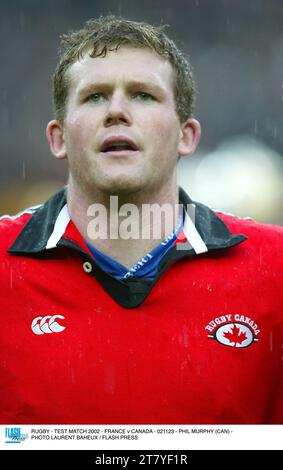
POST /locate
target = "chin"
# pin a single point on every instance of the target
(120, 184)
(120, 188)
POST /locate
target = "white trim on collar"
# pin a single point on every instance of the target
(59, 228)
(192, 234)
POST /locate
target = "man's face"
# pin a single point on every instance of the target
(121, 129)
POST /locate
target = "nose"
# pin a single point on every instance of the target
(117, 111)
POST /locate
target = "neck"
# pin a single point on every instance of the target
(125, 233)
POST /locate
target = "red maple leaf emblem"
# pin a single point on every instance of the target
(235, 336)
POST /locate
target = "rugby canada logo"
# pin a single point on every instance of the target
(236, 331)
(48, 324)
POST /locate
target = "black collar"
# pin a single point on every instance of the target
(129, 293)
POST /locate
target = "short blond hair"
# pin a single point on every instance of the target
(110, 32)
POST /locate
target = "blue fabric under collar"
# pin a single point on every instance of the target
(146, 267)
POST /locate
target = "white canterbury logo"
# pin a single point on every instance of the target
(41, 325)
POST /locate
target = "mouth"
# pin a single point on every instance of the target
(118, 147)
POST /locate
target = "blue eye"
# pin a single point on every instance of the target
(95, 97)
(142, 95)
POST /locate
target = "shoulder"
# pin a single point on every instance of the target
(264, 242)
(11, 225)
(251, 228)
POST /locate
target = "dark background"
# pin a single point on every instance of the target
(236, 48)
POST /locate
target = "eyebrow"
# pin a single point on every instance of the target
(89, 88)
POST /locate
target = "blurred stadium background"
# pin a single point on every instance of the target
(236, 48)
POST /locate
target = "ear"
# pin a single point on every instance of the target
(190, 133)
(55, 137)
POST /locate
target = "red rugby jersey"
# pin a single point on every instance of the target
(201, 344)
